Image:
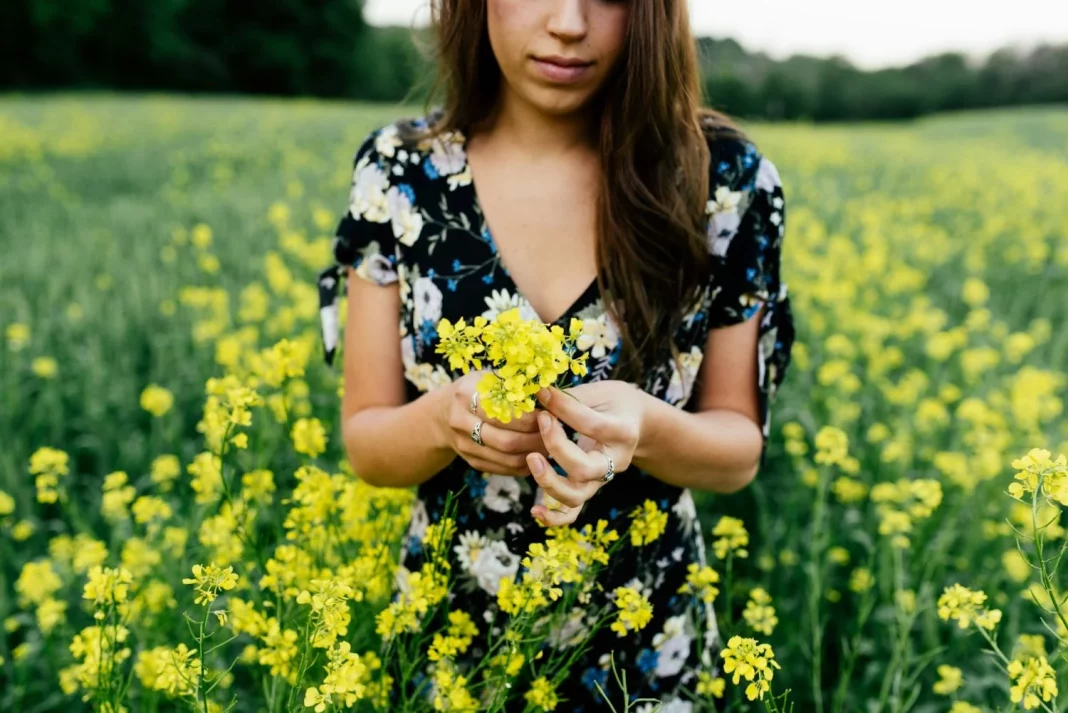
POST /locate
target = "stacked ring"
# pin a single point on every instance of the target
(474, 402)
(476, 433)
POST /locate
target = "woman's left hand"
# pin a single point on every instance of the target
(608, 416)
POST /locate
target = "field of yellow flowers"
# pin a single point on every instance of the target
(179, 529)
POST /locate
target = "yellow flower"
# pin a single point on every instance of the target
(165, 470)
(542, 694)
(964, 707)
(22, 530)
(732, 537)
(832, 445)
(309, 437)
(156, 400)
(635, 611)
(648, 523)
(975, 292)
(209, 581)
(525, 356)
(1033, 681)
(451, 692)
(37, 582)
(1038, 464)
(201, 236)
(755, 662)
(964, 606)
(7, 504)
(949, 680)
(17, 335)
(861, 580)
(700, 582)
(107, 586)
(759, 614)
(45, 367)
(461, 344)
(709, 685)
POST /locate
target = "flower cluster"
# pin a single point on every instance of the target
(49, 465)
(701, 582)
(525, 356)
(1037, 465)
(901, 504)
(635, 611)
(963, 605)
(1032, 679)
(755, 662)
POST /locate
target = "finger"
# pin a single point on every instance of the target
(555, 518)
(485, 465)
(581, 466)
(556, 486)
(578, 415)
(506, 441)
(496, 438)
(526, 423)
(469, 449)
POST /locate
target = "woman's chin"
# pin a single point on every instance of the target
(558, 103)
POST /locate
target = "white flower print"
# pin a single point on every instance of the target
(681, 385)
(376, 267)
(724, 201)
(686, 510)
(367, 199)
(463, 178)
(767, 178)
(495, 562)
(572, 632)
(387, 141)
(599, 336)
(420, 520)
(673, 645)
(404, 283)
(447, 155)
(676, 705)
(725, 219)
(502, 300)
(471, 546)
(427, 299)
(502, 493)
(407, 222)
(426, 377)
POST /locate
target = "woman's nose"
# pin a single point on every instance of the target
(567, 20)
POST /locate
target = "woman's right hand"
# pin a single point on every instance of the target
(504, 445)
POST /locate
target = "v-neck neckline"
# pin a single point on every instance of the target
(576, 304)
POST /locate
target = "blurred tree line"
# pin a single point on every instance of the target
(323, 48)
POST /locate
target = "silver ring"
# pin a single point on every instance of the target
(476, 433)
(611, 472)
(474, 402)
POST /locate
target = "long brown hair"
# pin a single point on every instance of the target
(652, 249)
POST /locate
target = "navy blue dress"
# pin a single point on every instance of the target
(414, 224)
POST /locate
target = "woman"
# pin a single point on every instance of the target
(570, 174)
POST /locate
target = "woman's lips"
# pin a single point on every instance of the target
(561, 70)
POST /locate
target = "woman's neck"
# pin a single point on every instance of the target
(523, 127)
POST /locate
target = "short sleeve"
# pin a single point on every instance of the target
(746, 225)
(364, 239)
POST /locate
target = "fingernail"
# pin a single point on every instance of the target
(537, 467)
(544, 395)
(544, 421)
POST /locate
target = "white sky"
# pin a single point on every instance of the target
(870, 33)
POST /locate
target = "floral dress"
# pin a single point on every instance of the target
(414, 222)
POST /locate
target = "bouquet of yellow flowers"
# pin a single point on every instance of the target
(524, 355)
